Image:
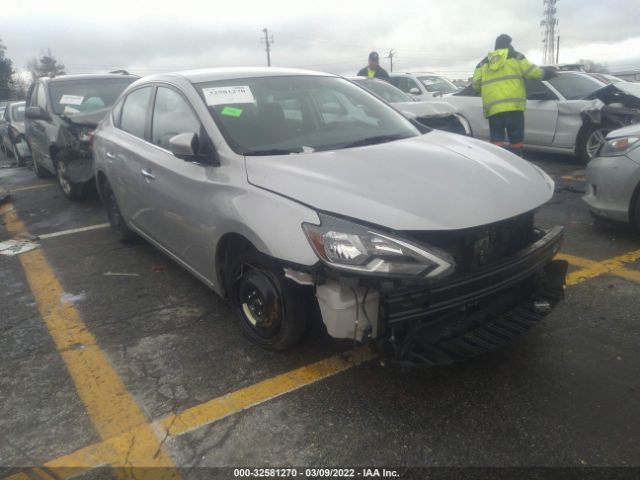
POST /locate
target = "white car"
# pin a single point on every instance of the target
(439, 115)
(571, 113)
(423, 85)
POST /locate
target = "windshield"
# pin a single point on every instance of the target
(390, 93)
(292, 114)
(75, 96)
(435, 83)
(17, 113)
(574, 86)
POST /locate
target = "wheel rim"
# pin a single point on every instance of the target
(62, 179)
(260, 302)
(595, 141)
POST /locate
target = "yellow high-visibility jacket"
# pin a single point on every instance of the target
(500, 79)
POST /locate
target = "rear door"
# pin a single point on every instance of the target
(541, 115)
(125, 151)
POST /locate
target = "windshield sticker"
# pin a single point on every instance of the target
(71, 100)
(231, 111)
(228, 95)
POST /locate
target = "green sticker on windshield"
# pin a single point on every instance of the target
(231, 111)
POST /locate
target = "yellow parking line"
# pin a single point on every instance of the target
(612, 266)
(111, 449)
(31, 187)
(111, 408)
(247, 397)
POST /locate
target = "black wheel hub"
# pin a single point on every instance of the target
(260, 302)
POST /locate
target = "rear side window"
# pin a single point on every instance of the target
(172, 115)
(134, 112)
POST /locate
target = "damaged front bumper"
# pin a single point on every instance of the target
(458, 318)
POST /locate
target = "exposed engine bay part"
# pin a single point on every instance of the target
(301, 278)
(349, 312)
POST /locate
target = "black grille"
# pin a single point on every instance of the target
(477, 247)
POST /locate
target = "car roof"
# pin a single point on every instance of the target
(416, 73)
(213, 74)
(86, 76)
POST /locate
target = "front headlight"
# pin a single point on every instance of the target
(349, 246)
(619, 146)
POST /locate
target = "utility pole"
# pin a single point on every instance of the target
(549, 22)
(558, 50)
(390, 56)
(268, 41)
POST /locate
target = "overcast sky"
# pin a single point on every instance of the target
(336, 36)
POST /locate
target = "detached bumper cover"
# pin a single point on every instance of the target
(478, 312)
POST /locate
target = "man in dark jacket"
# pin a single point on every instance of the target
(374, 70)
(499, 77)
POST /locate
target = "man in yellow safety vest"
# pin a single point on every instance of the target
(373, 69)
(499, 77)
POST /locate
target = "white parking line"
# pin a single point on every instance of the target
(73, 230)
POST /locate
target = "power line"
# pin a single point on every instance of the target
(549, 22)
(268, 41)
(390, 56)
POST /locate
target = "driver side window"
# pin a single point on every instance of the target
(172, 115)
(536, 90)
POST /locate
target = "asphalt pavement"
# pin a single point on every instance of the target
(566, 394)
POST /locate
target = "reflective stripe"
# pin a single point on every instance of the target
(528, 70)
(504, 100)
(500, 79)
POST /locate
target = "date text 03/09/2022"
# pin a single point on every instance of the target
(315, 473)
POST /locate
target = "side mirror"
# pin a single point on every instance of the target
(35, 113)
(187, 147)
(184, 145)
(414, 91)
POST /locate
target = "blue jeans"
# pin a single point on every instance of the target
(508, 125)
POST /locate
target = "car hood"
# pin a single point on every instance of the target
(626, 93)
(436, 181)
(426, 109)
(628, 131)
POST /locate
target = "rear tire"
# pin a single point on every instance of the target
(39, 170)
(589, 141)
(118, 226)
(20, 160)
(271, 310)
(71, 190)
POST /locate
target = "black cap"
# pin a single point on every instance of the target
(503, 41)
(374, 56)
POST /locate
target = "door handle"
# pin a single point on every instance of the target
(147, 174)
(110, 155)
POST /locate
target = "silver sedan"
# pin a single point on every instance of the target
(613, 179)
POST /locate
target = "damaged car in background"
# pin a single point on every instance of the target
(61, 114)
(419, 241)
(12, 134)
(439, 115)
(571, 113)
